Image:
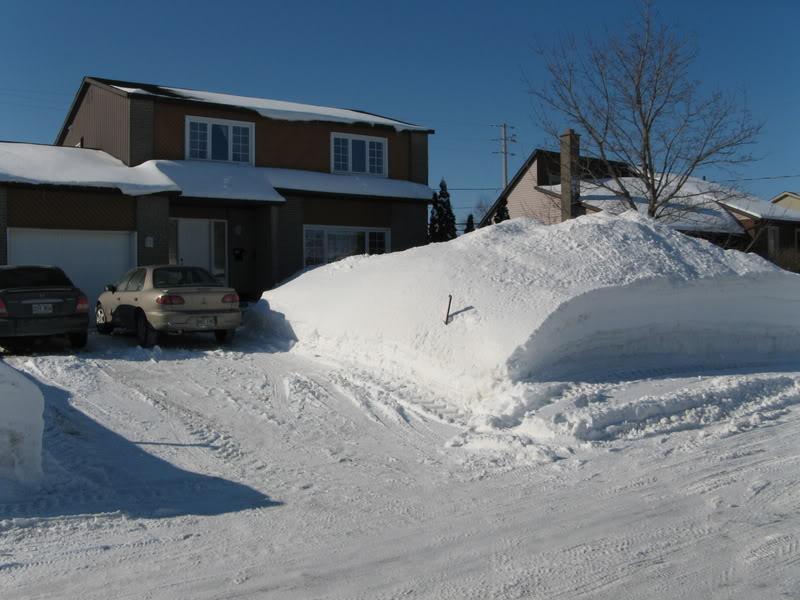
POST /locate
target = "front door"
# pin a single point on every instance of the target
(200, 243)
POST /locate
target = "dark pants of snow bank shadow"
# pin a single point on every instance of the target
(90, 469)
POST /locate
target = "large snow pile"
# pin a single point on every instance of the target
(21, 427)
(534, 303)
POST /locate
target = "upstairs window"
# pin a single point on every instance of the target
(219, 139)
(358, 154)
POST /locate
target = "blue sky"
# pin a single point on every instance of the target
(456, 67)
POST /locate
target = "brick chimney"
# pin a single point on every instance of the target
(570, 177)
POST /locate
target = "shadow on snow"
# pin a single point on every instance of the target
(90, 469)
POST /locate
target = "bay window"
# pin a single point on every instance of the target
(323, 244)
(358, 154)
(219, 140)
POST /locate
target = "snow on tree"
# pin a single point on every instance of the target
(470, 227)
(442, 226)
(502, 212)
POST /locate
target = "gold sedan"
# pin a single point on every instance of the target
(171, 299)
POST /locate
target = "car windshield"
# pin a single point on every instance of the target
(19, 277)
(182, 277)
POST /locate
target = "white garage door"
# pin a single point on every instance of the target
(90, 258)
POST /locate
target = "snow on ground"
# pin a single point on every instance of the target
(534, 306)
(333, 471)
(21, 407)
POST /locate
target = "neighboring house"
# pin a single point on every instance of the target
(787, 200)
(705, 209)
(253, 189)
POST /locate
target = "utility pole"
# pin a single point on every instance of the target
(505, 140)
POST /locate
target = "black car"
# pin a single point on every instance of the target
(39, 301)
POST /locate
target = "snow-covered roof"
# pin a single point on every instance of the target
(229, 181)
(313, 181)
(695, 209)
(273, 109)
(59, 165)
(762, 209)
(244, 182)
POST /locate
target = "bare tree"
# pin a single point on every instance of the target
(632, 99)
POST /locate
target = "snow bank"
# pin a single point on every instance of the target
(21, 427)
(536, 303)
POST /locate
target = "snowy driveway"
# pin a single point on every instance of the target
(194, 472)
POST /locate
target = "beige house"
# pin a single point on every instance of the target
(787, 199)
(706, 209)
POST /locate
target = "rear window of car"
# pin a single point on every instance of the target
(18, 277)
(183, 277)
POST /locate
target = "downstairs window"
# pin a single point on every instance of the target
(324, 244)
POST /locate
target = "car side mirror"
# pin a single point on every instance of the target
(110, 288)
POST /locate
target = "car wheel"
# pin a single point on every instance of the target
(78, 340)
(224, 336)
(145, 334)
(101, 321)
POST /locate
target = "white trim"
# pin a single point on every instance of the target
(367, 138)
(329, 228)
(248, 124)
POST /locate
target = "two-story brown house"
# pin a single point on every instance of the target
(260, 188)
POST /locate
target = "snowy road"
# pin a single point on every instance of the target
(194, 472)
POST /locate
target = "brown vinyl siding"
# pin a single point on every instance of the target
(409, 225)
(186, 211)
(103, 121)
(418, 148)
(288, 238)
(346, 212)
(304, 145)
(141, 136)
(152, 221)
(48, 208)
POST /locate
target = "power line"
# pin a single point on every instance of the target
(761, 178)
(494, 189)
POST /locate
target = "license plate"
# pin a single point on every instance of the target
(42, 309)
(208, 322)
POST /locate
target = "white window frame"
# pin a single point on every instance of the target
(367, 138)
(326, 229)
(229, 123)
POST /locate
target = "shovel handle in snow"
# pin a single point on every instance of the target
(449, 301)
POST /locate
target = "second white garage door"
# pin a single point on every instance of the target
(90, 258)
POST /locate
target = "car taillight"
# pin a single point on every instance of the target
(230, 298)
(170, 299)
(83, 304)
(3, 309)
